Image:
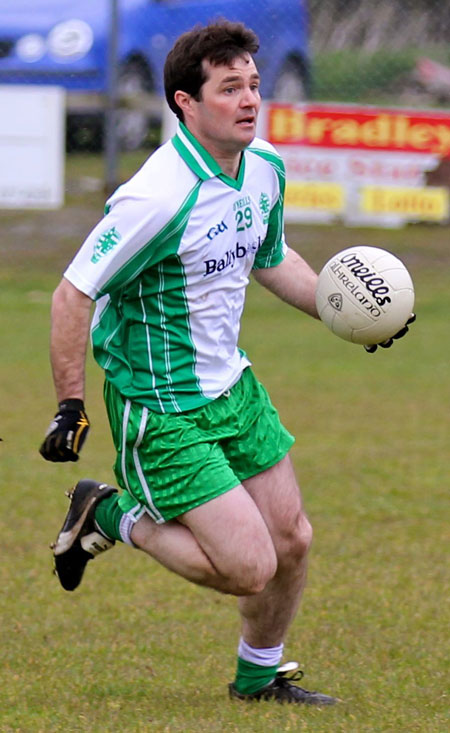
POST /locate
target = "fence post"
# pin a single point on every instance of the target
(111, 142)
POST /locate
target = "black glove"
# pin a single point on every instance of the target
(388, 343)
(66, 433)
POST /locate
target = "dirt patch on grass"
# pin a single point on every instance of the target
(42, 239)
(47, 240)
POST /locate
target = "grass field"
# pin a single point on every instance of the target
(138, 649)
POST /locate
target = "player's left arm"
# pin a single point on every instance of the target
(292, 280)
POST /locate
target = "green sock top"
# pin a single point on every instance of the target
(108, 515)
(252, 677)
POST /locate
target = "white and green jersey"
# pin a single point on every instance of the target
(168, 266)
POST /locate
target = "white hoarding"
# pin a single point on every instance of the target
(31, 147)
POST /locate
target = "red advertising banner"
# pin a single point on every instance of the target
(348, 126)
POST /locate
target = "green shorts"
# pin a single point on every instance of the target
(168, 464)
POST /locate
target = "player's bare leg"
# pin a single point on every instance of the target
(230, 544)
(223, 544)
(267, 616)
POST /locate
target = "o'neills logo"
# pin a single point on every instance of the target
(373, 283)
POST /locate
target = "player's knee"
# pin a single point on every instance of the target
(304, 535)
(253, 573)
(250, 584)
(295, 541)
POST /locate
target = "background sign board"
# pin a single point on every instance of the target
(31, 147)
(363, 165)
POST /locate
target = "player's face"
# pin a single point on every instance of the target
(224, 118)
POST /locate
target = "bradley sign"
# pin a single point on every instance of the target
(362, 128)
(364, 165)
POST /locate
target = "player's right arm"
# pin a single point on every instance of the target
(71, 316)
(71, 312)
(115, 252)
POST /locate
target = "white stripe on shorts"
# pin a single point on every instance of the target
(126, 415)
(151, 508)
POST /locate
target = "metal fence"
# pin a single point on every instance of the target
(392, 51)
(109, 56)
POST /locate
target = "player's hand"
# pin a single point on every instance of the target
(66, 433)
(388, 343)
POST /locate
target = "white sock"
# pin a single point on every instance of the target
(267, 657)
(127, 523)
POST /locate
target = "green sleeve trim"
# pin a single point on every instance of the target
(271, 253)
(277, 164)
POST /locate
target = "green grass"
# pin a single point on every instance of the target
(138, 649)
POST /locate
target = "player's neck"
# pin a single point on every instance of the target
(229, 165)
(226, 155)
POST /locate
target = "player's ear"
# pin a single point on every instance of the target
(184, 101)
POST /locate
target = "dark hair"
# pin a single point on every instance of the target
(219, 43)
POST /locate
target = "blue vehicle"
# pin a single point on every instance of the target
(66, 43)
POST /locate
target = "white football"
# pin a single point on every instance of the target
(364, 295)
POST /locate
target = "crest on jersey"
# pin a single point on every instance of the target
(105, 243)
(264, 206)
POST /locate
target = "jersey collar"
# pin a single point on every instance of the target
(200, 161)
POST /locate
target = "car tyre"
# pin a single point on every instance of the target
(133, 118)
(291, 85)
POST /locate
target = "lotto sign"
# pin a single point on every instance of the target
(431, 204)
(365, 165)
